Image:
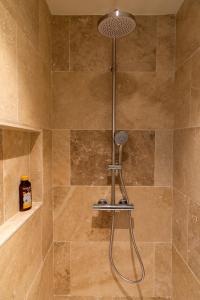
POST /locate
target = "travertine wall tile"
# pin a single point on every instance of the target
(60, 43)
(163, 158)
(74, 220)
(42, 287)
(185, 285)
(33, 102)
(8, 66)
(16, 150)
(180, 222)
(187, 30)
(137, 51)
(87, 94)
(62, 276)
(194, 238)
(47, 214)
(165, 50)
(89, 50)
(61, 157)
(163, 270)
(187, 162)
(82, 104)
(45, 32)
(144, 101)
(36, 166)
(25, 98)
(28, 18)
(73, 217)
(101, 282)
(15, 256)
(90, 155)
(1, 179)
(182, 92)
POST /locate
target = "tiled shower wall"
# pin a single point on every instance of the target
(26, 259)
(81, 121)
(186, 206)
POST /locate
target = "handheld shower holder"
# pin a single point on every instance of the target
(114, 167)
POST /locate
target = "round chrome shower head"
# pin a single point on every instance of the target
(116, 24)
(121, 137)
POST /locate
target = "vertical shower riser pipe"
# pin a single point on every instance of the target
(113, 117)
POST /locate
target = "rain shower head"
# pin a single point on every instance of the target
(116, 24)
(121, 137)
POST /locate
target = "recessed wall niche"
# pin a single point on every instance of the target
(20, 154)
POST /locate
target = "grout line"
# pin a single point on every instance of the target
(108, 186)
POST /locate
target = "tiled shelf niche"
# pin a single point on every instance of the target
(15, 126)
(21, 153)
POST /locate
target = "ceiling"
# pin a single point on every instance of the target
(100, 7)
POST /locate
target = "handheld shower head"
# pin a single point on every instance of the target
(121, 137)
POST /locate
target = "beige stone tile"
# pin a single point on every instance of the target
(187, 30)
(8, 66)
(182, 141)
(195, 72)
(163, 158)
(74, 219)
(139, 158)
(61, 157)
(163, 270)
(89, 97)
(182, 92)
(195, 107)
(142, 42)
(185, 286)
(194, 238)
(165, 51)
(47, 209)
(186, 162)
(180, 223)
(89, 50)
(143, 101)
(26, 14)
(60, 43)
(62, 276)
(28, 19)
(16, 150)
(45, 32)
(90, 153)
(20, 258)
(154, 205)
(36, 167)
(1, 204)
(96, 278)
(33, 102)
(75, 222)
(1, 180)
(42, 287)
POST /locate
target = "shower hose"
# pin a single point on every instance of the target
(132, 239)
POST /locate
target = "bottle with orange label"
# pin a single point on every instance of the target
(25, 195)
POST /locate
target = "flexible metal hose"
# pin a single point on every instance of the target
(132, 239)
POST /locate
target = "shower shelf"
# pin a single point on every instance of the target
(15, 126)
(113, 207)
